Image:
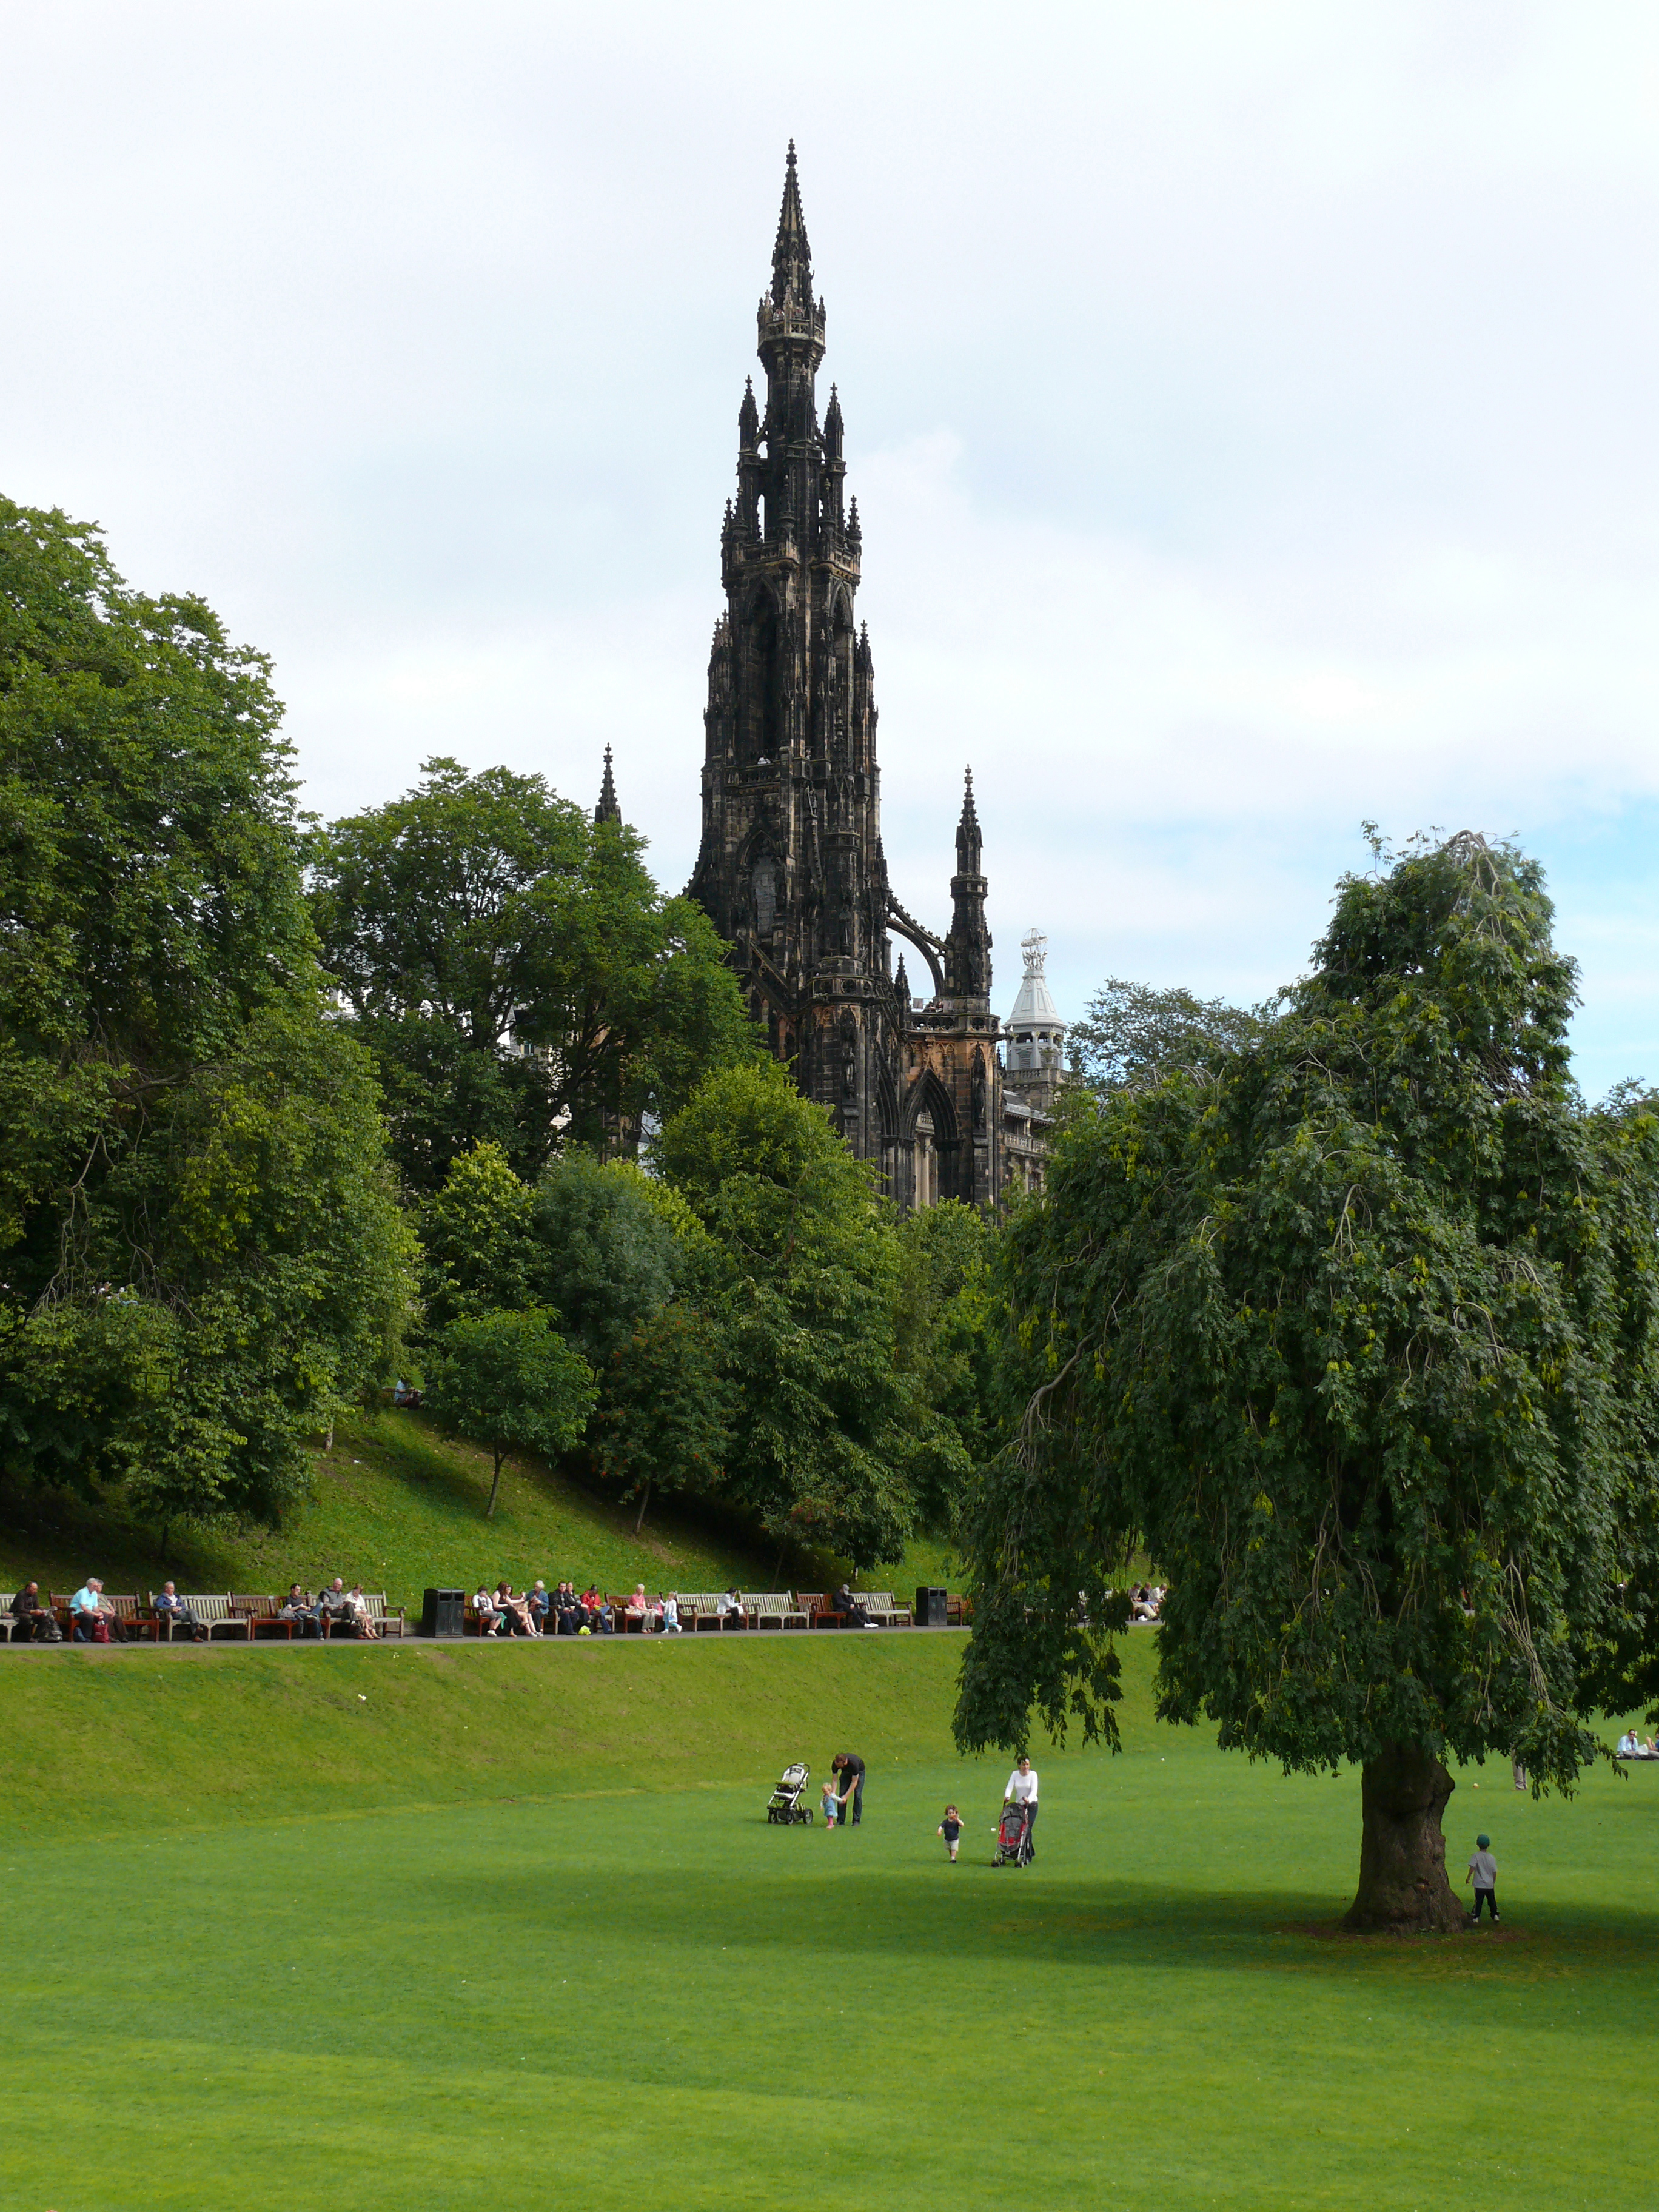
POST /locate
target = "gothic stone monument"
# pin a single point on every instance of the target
(791, 867)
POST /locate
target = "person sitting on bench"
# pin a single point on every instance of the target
(730, 1611)
(174, 1615)
(297, 1607)
(334, 1604)
(514, 1611)
(567, 1609)
(92, 1618)
(34, 1617)
(853, 1612)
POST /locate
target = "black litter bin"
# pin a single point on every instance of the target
(930, 1608)
(443, 1612)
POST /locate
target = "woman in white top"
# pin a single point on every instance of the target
(361, 1607)
(1023, 1790)
(489, 1620)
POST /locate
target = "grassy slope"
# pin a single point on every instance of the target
(638, 1984)
(398, 1508)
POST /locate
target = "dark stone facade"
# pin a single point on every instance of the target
(791, 867)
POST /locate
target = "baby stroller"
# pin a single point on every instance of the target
(1014, 1837)
(784, 1806)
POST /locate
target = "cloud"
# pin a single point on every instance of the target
(1250, 412)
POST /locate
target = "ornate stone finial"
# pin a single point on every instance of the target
(1034, 946)
(608, 808)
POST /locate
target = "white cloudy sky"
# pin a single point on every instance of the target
(1251, 408)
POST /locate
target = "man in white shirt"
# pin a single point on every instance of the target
(1023, 1790)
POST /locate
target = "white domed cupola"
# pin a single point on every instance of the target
(1036, 1033)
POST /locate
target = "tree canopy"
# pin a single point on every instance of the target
(1137, 1033)
(1354, 1332)
(801, 1291)
(515, 970)
(202, 1256)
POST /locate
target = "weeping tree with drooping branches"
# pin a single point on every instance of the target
(1354, 1332)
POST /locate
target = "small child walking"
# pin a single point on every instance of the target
(1483, 1872)
(831, 1804)
(951, 1828)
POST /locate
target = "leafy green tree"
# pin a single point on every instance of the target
(1135, 1033)
(516, 971)
(802, 1294)
(479, 1239)
(948, 1332)
(608, 1259)
(1355, 1333)
(202, 1256)
(666, 1410)
(510, 1382)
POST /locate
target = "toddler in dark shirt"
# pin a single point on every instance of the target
(951, 1828)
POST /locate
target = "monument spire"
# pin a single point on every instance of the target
(607, 810)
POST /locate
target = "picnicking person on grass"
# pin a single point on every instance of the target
(850, 1767)
(1630, 1746)
(1483, 1872)
(1022, 1789)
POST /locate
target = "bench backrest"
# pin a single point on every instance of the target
(253, 1607)
(812, 1600)
(876, 1600)
(769, 1601)
(126, 1608)
(376, 1604)
(699, 1601)
(208, 1607)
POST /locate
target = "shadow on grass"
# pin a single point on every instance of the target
(1103, 1923)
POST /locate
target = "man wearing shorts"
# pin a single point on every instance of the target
(850, 1767)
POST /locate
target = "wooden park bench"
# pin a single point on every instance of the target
(773, 1609)
(136, 1620)
(820, 1614)
(699, 1608)
(389, 1620)
(882, 1605)
(213, 1610)
(262, 1614)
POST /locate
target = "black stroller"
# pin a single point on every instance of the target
(784, 1806)
(1014, 1837)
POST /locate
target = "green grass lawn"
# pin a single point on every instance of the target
(454, 1925)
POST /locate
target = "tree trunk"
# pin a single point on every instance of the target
(494, 1485)
(1403, 1889)
(644, 1501)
